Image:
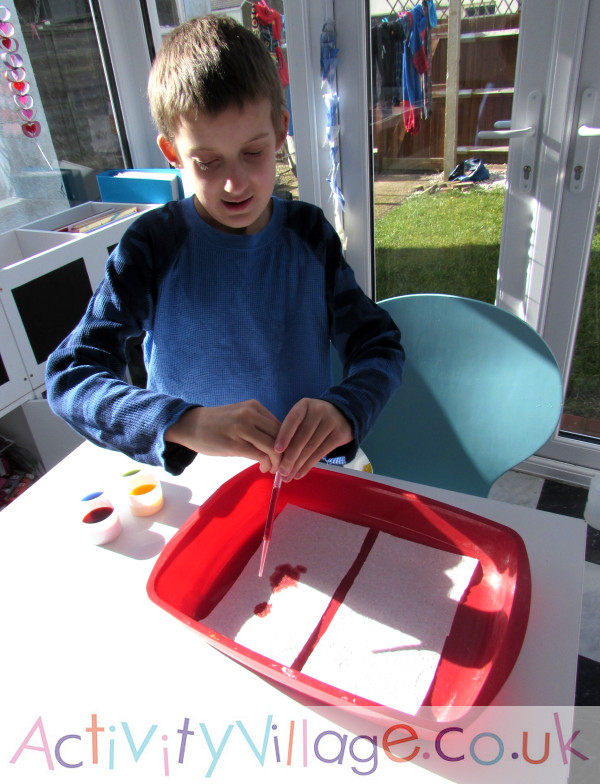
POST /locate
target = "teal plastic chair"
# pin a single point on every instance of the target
(481, 392)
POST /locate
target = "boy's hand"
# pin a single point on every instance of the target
(245, 429)
(310, 430)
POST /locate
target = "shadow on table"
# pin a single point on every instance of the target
(137, 539)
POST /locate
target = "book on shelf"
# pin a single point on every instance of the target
(99, 219)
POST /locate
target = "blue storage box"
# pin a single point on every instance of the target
(140, 186)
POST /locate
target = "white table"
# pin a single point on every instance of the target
(81, 639)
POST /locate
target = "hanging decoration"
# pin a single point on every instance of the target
(16, 76)
(328, 62)
(267, 24)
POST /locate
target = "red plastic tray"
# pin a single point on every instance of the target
(201, 562)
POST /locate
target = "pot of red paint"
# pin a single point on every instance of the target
(100, 520)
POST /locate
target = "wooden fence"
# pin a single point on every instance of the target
(481, 90)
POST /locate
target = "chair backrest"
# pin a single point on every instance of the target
(481, 392)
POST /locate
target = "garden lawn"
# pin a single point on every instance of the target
(583, 393)
(447, 242)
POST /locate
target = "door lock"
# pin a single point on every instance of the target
(585, 141)
(528, 135)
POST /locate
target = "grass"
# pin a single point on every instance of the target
(583, 392)
(449, 242)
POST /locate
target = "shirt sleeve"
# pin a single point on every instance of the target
(368, 343)
(86, 374)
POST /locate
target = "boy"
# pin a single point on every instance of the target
(238, 293)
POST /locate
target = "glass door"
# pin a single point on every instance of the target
(571, 320)
(442, 75)
(581, 418)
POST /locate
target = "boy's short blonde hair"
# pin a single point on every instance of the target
(208, 64)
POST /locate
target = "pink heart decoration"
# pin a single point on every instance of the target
(4, 13)
(27, 114)
(12, 60)
(15, 74)
(32, 129)
(10, 44)
(23, 101)
(19, 88)
(6, 29)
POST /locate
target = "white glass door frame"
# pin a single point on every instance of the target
(530, 259)
(304, 21)
(573, 229)
(556, 29)
(547, 231)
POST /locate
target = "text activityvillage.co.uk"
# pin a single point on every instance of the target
(294, 743)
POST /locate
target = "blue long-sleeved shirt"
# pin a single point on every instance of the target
(226, 318)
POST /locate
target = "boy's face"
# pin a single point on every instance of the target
(230, 160)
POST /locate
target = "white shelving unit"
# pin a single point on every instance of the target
(46, 280)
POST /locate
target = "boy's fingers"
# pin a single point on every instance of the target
(256, 440)
(258, 429)
(268, 463)
(310, 457)
(296, 432)
(290, 425)
(311, 430)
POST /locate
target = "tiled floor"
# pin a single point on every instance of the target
(568, 500)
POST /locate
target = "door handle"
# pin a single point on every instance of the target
(507, 133)
(529, 134)
(587, 130)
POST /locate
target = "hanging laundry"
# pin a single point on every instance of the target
(414, 61)
(416, 77)
(430, 10)
(267, 24)
(389, 47)
(431, 14)
(401, 56)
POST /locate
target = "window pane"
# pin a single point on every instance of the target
(57, 129)
(167, 13)
(581, 413)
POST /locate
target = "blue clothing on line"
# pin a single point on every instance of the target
(226, 318)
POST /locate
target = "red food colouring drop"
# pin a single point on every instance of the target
(286, 576)
(262, 609)
(97, 515)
